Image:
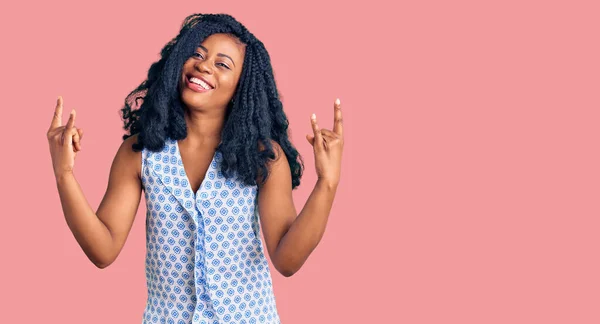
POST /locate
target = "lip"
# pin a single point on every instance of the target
(194, 87)
(212, 86)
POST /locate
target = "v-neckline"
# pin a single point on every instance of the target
(187, 178)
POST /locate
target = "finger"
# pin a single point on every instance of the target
(77, 140)
(328, 139)
(66, 137)
(57, 118)
(318, 142)
(69, 135)
(71, 121)
(310, 139)
(328, 133)
(337, 118)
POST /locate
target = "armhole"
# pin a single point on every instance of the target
(142, 169)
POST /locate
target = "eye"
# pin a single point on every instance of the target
(200, 54)
(224, 65)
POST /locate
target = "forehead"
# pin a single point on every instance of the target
(224, 43)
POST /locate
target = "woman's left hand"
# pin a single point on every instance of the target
(327, 147)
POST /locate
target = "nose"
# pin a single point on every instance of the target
(203, 66)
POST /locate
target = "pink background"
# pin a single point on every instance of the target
(470, 182)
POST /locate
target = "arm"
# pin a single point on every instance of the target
(102, 235)
(290, 239)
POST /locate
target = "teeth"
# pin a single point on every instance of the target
(200, 83)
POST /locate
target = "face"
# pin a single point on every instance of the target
(210, 76)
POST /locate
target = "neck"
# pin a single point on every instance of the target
(203, 128)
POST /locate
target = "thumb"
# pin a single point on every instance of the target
(310, 139)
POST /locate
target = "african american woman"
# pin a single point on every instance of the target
(209, 147)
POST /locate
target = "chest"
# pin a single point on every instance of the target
(191, 180)
(196, 164)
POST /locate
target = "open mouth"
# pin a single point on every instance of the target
(198, 84)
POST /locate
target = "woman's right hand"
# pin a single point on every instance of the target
(64, 141)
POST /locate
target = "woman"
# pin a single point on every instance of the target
(209, 148)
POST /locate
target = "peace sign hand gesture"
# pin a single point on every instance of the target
(64, 141)
(327, 147)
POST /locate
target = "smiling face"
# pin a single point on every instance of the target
(210, 76)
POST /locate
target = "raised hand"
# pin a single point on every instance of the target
(64, 141)
(327, 147)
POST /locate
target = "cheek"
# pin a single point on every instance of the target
(228, 85)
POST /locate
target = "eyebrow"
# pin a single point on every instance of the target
(219, 54)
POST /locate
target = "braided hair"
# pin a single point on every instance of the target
(254, 116)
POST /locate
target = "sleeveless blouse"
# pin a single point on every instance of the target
(205, 260)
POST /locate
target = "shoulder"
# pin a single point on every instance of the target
(128, 156)
(278, 168)
(276, 149)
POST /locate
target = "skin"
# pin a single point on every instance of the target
(289, 237)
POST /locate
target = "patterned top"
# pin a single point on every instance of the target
(204, 255)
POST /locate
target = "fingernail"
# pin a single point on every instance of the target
(313, 116)
(337, 101)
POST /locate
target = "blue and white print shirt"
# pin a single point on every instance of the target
(205, 260)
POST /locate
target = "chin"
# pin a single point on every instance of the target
(192, 100)
(196, 105)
